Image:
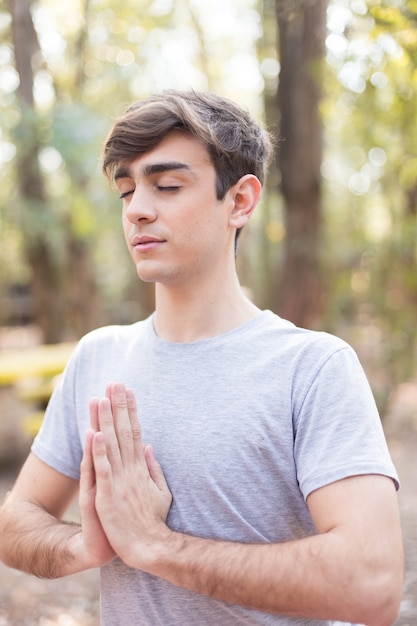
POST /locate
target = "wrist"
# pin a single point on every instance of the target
(153, 555)
(81, 557)
(77, 558)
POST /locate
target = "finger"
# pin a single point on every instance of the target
(87, 479)
(102, 466)
(93, 408)
(107, 428)
(134, 423)
(86, 498)
(155, 469)
(122, 421)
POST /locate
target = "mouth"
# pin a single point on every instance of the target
(144, 243)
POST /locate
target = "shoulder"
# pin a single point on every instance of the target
(300, 341)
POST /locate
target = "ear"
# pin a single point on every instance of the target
(245, 195)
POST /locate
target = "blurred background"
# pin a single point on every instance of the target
(333, 244)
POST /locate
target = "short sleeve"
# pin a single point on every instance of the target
(59, 442)
(337, 428)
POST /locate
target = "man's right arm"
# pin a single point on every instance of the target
(33, 536)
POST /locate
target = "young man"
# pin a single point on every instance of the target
(273, 498)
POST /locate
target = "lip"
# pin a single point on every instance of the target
(144, 243)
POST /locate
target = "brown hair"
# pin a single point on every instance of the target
(237, 145)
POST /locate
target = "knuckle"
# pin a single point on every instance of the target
(112, 449)
(106, 419)
(126, 434)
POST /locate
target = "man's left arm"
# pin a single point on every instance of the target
(351, 570)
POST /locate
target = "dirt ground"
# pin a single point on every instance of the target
(74, 601)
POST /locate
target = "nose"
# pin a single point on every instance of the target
(141, 206)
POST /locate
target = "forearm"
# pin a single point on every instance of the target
(350, 571)
(36, 542)
(316, 577)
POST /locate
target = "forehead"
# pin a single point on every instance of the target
(175, 152)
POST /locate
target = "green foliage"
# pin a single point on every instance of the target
(370, 115)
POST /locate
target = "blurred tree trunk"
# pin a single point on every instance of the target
(45, 272)
(84, 302)
(302, 29)
(66, 295)
(81, 288)
(272, 209)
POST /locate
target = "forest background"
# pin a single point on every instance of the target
(333, 244)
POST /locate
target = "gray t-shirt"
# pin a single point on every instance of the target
(245, 426)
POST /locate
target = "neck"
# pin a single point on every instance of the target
(186, 315)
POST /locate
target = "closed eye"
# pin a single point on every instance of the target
(125, 194)
(168, 188)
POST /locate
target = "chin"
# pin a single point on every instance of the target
(146, 271)
(153, 275)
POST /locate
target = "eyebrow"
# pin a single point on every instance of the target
(152, 168)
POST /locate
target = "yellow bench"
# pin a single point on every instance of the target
(40, 361)
(33, 373)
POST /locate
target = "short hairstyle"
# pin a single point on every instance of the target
(237, 144)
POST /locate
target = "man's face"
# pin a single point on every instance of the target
(175, 228)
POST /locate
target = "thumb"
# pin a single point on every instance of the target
(155, 469)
